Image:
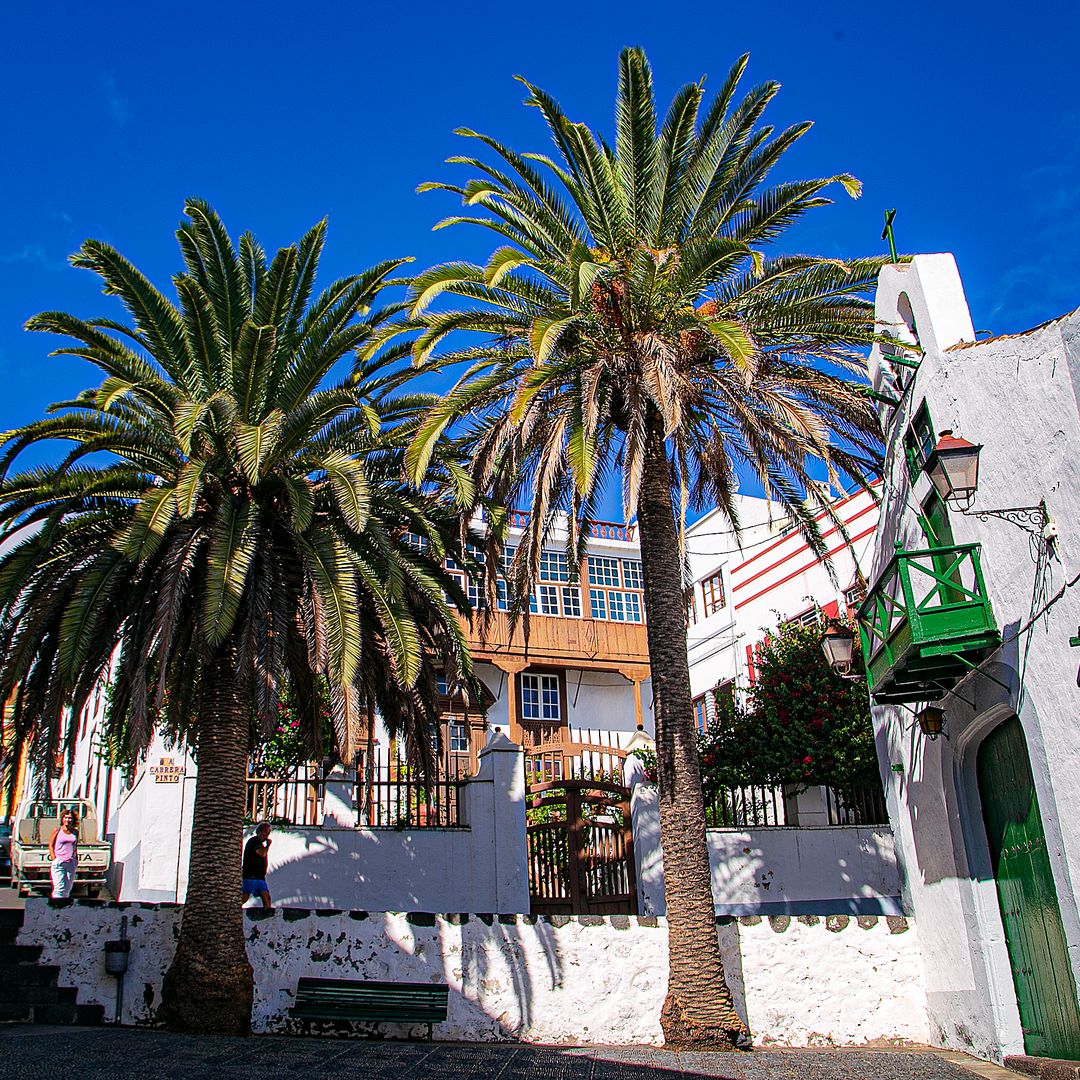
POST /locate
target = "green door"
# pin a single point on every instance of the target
(1045, 989)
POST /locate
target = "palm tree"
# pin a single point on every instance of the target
(635, 323)
(230, 520)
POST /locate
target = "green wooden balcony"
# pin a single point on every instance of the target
(925, 623)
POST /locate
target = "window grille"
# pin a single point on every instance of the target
(631, 569)
(571, 601)
(597, 604)
(549, 599)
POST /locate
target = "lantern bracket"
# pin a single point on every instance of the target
(1032, 519)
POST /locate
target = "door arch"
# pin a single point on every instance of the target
(1027, 897)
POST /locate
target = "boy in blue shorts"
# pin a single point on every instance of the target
(256, 855)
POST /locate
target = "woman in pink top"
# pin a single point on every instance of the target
(64, 852)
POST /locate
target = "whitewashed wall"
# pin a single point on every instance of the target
(562, 979)
(482, 867)
(802, 871)
(1016, 395)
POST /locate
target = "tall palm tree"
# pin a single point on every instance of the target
(231, 518)
(636, 324)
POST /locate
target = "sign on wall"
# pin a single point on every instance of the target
(167, 771)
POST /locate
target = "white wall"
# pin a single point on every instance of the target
(482, 867)
(837, 870)
(1016, 395)
(562, 979)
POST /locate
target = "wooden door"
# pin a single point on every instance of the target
(1038, 955)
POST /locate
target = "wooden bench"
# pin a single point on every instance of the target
(392, 1003)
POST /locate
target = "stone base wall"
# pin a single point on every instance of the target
(558, 979)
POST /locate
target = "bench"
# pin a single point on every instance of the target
(393, 1003)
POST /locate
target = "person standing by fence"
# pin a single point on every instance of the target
(254, 868)
(64, 854)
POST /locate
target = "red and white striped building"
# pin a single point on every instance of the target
(747, 584)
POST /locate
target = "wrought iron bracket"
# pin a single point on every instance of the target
(1032, 519)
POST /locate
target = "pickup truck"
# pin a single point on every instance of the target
(30, 863)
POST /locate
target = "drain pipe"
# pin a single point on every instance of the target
(116, 964)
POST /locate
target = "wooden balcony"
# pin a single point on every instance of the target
(561, 642)
(926, 623)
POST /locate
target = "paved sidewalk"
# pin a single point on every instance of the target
(51, 1053)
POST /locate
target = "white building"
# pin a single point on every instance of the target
(972, 607)
(746, 585)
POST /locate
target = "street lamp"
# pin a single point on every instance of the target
(838, 644)
(953, 468)
(931, 721)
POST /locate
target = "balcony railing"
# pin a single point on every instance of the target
(925, 623)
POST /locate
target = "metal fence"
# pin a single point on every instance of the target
(390, 793)
(745, 807)
(295, 799)
(861, 804)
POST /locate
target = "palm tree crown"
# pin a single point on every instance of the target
(637, 285)
(229, 519)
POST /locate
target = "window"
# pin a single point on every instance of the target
(417, 542)
(631, 573)
(691, 607)
(597, 604)
(624, 607)
(701, 713)
(540, 697)
(501, 601)
(854, 596)
(712, 593)
(457, 737)
(571, 601)
(919, 441)
(810, 617)
(476, 595)
(549, 599)
(553, 566)
(460, 584)
(506, 557)
(442, 688)
(603, 571)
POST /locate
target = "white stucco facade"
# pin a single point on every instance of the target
(561, 979)
(1017, 396)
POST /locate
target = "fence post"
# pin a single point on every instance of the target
(339, 793)
(495, 801)
(645, 824)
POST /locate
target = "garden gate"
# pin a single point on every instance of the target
(581, 849)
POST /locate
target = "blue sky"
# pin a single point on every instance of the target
(282, 113)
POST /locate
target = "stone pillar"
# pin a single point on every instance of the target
(339, 799)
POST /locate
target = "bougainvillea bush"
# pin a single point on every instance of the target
(801, 725)
(805, 724)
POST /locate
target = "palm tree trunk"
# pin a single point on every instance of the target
(698, 1008)
(209, 986)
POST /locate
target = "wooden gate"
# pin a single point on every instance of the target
(1038, 953)
(581, 849)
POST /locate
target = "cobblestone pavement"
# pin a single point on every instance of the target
(51, 1053)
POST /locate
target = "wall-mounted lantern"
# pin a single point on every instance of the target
(838, 645)
(953, 468)
(931, 721)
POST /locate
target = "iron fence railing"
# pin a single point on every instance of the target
(757, 806)
(860, 804)
(295, 799)
(390, 793)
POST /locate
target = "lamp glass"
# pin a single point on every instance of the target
(931, 721)
(838, 644)
(953, 468)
